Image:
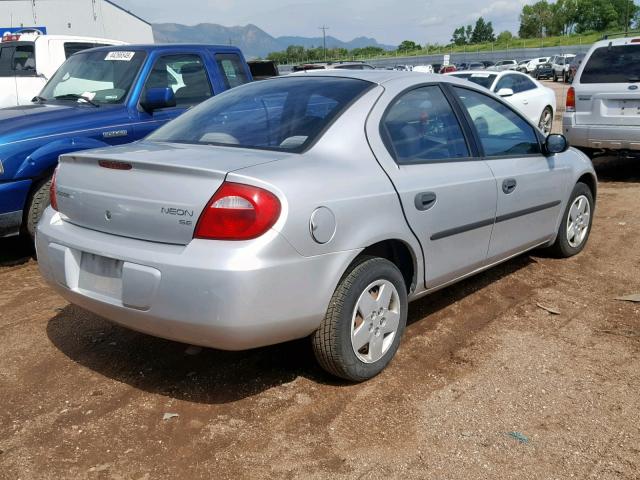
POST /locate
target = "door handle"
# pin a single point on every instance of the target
(509, 185)
(425, 200)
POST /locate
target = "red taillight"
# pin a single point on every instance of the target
(635, 40)
(571, 100)
(238, 212)
(52, 191)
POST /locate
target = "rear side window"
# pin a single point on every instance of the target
(616, 64)
(6, 61)
(420, 126)
(232, 69)
(285, 114)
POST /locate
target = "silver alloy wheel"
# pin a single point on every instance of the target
(578, 221)
(546, 121)
(375, 321)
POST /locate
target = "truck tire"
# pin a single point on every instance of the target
(38, 202)
(555, 77)
(575, 226)
(364, 323)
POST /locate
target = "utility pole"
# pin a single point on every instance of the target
(324, 40)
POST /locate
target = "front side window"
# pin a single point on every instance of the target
(285, 114)
(185, 75)
(615, 64)
(502, 131)
(420, 126)
(104, 77)
(6, 61)
(507, 81)
(232, 69)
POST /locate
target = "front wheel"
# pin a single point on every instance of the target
(576, 223)
(555, 77)
(546, 121)
(364, 323)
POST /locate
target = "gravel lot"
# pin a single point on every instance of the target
(487, 382)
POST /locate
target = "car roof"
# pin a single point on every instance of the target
(381, 77)
(617, 42)
(165, 46)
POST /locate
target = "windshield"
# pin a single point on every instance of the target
(101, 77)
(285, 114)
(619, 64)
(483, 79)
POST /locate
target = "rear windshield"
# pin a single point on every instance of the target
(285, 114)
(483, 79)
(616, 64)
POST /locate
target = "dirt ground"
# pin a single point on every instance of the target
(487, 384)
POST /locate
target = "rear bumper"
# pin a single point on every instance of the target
(600, 136)
(13, 196)
(226, 295)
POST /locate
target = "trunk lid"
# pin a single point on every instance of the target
(149, 191)
(614, 104)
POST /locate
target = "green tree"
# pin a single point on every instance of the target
(504, 37)
(482, 32)
(535, 20)
(408, 45)
(459, 36)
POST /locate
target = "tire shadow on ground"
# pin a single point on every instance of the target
(213, 376)
(15, 251)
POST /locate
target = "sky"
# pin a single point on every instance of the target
(388, 21)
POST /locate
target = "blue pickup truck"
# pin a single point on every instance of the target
(100, 97)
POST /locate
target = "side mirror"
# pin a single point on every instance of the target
(556, 143)
(157, 98)
(505, 92)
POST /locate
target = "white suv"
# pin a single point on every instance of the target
(27, 62)
(560, 66)
(603, 103)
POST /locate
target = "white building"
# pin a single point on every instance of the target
(94, 18)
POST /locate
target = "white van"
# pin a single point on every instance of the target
(28, 61)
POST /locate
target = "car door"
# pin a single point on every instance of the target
(186, 75)
(448, 194)
(530, 185)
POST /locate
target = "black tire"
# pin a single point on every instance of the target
(561, 248)
(38, 202)
(332, 341)
(555, 77)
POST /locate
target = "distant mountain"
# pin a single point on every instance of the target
(253, 41)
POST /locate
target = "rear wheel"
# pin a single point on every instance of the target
(546, 121)
(38, 202)
(576, 223)
(365, 321)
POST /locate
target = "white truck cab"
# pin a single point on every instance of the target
(28, 60)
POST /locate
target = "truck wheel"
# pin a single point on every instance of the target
(555, 77)
(576, 223)
(362, 328)
(38, 202)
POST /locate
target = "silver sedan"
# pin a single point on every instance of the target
(314, 205)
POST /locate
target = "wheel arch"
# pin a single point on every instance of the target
(590, 181)
(400, 254)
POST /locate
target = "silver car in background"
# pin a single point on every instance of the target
(317, 204)
(603, 104)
